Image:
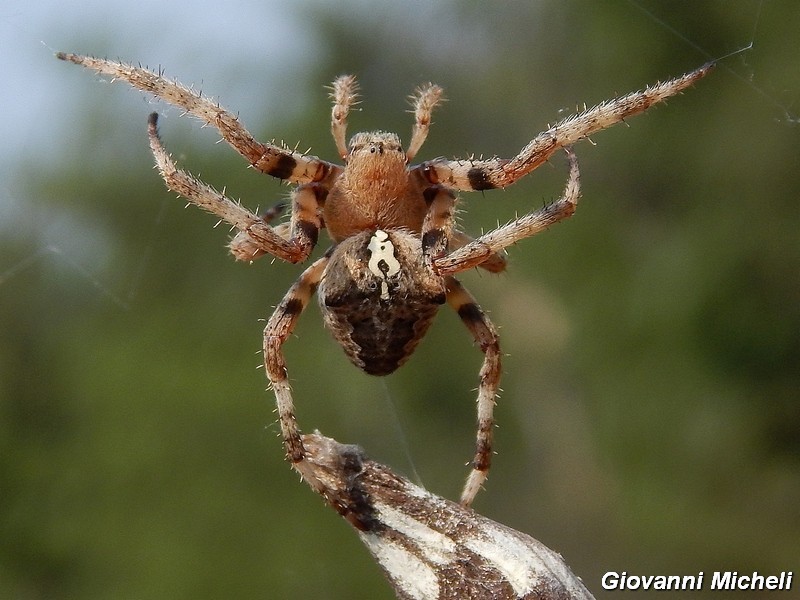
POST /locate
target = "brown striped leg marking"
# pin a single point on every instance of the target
(488, 245)
(485, 335)
(261, 236)
(474, 174)
(277, 161)
(438, 223)
(278, 329)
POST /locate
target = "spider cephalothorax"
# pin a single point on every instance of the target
(374, 189)
(395, 245)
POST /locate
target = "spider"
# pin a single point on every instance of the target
(396, 246)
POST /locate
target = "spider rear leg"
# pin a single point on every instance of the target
(485, 335)
(260, 236)
(278, 329)
(489, 244)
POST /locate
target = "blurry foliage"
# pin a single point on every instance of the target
(650, 417)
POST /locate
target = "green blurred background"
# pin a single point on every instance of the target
(649, 422)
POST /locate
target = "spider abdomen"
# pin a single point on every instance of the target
(378, 298)
(378, 339)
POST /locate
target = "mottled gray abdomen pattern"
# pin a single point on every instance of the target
(377, 317)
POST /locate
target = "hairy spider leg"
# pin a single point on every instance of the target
(476, 252)
(279, 327)
(485, 334)
(474, 174)
(436, 229)
(439, 223)
(277, 161)
(305, 223)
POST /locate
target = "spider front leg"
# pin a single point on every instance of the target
(257, 236)
(278, 329)
(277, 161)
(485, 335)
(493, 173)
(489, 244)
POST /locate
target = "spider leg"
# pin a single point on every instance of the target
(424, 100)
(436, 231)
(494, 263)
(245, 247)
(485, 335)
(344, 94)
(489, 244)
(273, 212)
(277, 330)
(279, 162)
(259, 236)
(499, 172)
(440, 236)
(438, 223)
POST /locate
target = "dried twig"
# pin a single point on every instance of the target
(429, 547)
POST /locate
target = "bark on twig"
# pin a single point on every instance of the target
(430, 547)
